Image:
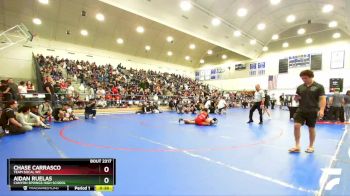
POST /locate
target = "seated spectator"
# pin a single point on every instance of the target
(30, 86)
(90, 109)
(45, 110)
(22, 88)
(8, 120)
(180, 107)
(28, 119)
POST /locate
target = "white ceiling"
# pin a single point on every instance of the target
(162, 18)
(60, 15)
(197, 21)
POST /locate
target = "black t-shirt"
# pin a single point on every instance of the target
(55, 112)
(310, 97)
(48, 84)
(6, 114)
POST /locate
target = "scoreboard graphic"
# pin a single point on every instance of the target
(94, 174)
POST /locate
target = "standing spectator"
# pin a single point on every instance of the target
(266, 105)
(273, 101)
(8, 119)
(14, 89)
(347, 106)
(30, 86)
(5, 90)
(49, 90)
(282, 99)
(336, 102)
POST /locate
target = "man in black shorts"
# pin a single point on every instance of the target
(312, 102)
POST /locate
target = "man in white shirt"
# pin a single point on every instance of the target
(207, 104)
(222, 105)
(259, 99)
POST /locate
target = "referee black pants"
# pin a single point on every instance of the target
(255, 106)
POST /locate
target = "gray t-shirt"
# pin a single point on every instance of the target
(337, 100)
(347, 99)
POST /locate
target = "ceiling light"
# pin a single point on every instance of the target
(84, 32)
(37, 21)
(44, 1)
(336, 35)
(241, 12)
(285, 45)
(265, 48)
(275, 37)
(237, 33)
(308, 40)
(100, 17)
(169, 39)
(252, 42)
(187, 58)
(120, 41)
(301, 31)
(192, 46)
(327, 8)
(333, 24)
(224, 56)
(261, 26)
(201, 61)
(140, 29)
(275, 2)
(147, 47)
(215, 21)
(210, 52)
(290, 18)
(170, 53)
(185, 5)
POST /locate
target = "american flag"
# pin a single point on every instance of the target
(272, 82)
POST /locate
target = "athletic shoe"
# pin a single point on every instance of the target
(250, 121)
(94, 117)
(180, 119)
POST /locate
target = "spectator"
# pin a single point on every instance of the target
(336, 102)
(14, 89)
(30, 86)
(5, 90)
(49, 90)
(45, 110)
(222, 105)
(8, 119)
(347, 106)
(28, 119)
(22, 88)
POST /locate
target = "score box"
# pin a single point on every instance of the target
(61, 172)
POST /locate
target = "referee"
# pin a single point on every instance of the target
(312, 102)
(259, 99)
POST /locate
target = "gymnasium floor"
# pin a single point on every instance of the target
(157, 156)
